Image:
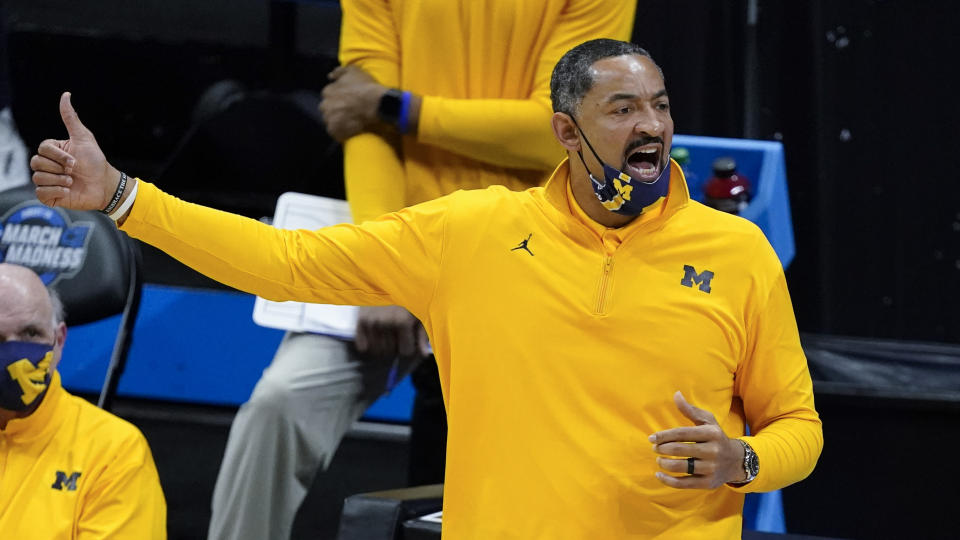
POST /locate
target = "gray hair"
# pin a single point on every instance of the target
(59, 314)
(572, 78)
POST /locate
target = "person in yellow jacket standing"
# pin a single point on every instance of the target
(603, 342)
(433, 96)
(68, 470)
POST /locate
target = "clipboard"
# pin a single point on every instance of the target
(311, 212)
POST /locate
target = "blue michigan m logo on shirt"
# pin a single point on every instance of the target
(63, 480)
(690, 276)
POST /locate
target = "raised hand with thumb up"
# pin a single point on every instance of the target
(74, 173)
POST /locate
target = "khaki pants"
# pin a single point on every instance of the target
(304, 403)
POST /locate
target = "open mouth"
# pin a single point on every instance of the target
(644, 162)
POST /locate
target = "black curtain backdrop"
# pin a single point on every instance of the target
(4, 71)
(858, 92)
(699, 45)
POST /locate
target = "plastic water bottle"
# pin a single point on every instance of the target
(681, 155)
(727, 190)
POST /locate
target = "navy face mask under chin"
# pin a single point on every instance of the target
(24, 374)
(622, 193)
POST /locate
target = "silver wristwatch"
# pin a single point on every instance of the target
(751, 463)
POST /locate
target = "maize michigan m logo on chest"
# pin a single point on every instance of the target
(63, 480)
(690, 276)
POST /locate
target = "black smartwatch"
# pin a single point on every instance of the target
(390, 106)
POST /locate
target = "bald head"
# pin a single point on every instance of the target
(29, 311)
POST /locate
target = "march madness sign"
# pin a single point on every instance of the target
(44, 239)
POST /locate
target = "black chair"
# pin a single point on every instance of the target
(93, 266)
(383, 515)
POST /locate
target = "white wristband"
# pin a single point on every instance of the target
(122, 209)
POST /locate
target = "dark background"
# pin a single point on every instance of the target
(857, 90)
(860, 92)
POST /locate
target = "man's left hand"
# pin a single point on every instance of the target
(718, 459)
(350, 102)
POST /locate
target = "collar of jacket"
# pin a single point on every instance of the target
(556, 195)
(41, 421)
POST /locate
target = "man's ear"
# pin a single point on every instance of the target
(60, 334)
(566, 131)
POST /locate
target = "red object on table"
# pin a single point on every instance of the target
(727, 190)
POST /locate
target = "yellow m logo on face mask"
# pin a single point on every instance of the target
(623, 189)
(31, 378)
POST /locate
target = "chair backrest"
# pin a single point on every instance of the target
(93, 266)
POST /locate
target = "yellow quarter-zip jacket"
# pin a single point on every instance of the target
(483, 68)
(73, 471)
(559, 344)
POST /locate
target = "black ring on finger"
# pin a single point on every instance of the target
(690, 462)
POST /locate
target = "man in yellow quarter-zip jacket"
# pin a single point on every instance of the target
(68, 470)
(602, 342)
(433, 96)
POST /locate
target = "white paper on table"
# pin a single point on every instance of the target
(302, 211)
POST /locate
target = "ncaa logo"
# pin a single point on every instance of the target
(45, 240)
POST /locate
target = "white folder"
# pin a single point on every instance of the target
(302, 211)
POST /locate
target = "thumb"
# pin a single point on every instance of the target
(361, 341)
(336, 73)
(70, 119)
(698, 415)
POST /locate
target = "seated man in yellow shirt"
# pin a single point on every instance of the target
(67, 468)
